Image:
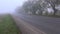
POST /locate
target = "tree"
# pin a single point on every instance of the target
(53, 3)
(36, 6)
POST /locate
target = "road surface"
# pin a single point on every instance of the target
(46, 25)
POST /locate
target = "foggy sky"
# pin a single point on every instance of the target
(8, 6)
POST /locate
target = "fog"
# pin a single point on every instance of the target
(8, 6)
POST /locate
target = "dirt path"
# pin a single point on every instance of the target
(26, 28)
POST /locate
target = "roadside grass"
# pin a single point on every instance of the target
(54, 16)
(7, 26)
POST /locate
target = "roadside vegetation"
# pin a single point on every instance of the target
(7, 25)
(41, 7)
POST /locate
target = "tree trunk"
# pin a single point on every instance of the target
(54, 11)
(33, 12)
(41, 13)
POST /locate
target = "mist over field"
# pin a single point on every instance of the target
(9, 6)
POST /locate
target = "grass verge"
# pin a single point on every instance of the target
(7, 26)
(54, 16)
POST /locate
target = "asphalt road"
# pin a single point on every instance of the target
(49, 25)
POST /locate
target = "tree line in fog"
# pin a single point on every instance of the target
(41, 7)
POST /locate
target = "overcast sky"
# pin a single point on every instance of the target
(7, 6)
